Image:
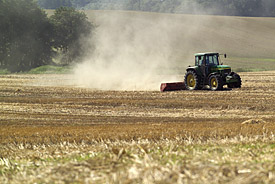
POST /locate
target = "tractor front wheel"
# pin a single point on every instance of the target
(237, 84)
(192, 81)
(215, 83)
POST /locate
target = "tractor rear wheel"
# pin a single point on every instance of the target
(192, 81)
(215, 83)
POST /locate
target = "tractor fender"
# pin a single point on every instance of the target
(196, 70)
(231, 73)
(191, 69)
(211, 74)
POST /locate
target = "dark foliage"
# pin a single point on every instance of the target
(216, 7)
(25, 35)
(53, 4)
(30, 39)
(71, 27)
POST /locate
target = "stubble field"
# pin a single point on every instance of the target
(52, 132)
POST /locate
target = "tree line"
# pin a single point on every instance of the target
(54, 4)
(214, 7)
(29, 38)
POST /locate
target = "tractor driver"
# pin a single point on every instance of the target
(207, 63)
(206, 60)
(201, 60)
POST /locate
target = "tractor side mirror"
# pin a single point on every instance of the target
(224, 55)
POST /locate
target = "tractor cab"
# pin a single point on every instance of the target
(206, 59)
(209, 63)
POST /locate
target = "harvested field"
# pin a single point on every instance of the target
(55, 133)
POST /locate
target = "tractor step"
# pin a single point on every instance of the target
(175, 86)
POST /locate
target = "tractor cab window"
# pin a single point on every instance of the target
(212, 60)
(199, 60)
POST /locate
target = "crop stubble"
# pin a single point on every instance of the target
(53, 130)
(76, 114)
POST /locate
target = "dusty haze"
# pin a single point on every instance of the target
(131, 53)
(138, 51)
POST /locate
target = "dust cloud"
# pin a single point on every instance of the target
(132, 52)
(139, 50)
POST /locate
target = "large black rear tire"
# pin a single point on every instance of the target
(215, 82)
(192, 81)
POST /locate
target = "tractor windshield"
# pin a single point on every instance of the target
(212, 60)
(199, 60)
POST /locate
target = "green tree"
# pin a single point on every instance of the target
(269, 6)
(25, 35)
(133, 5)
(80, 3)
(54, 4)
(71, 27)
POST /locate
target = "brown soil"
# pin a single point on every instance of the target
(49, 114)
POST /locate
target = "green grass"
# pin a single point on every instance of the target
(254, 59)
(249, 70)
(49, 69)
(239, 64)
(4, 72)
(46, 69)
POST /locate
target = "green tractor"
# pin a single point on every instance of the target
(209, 72)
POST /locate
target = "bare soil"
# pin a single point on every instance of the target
(34, 109)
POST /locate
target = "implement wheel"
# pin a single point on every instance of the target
(215, 83)
(192, 81)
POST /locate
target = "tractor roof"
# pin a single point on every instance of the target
(206, 53)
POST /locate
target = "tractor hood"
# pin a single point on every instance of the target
(220, 67)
